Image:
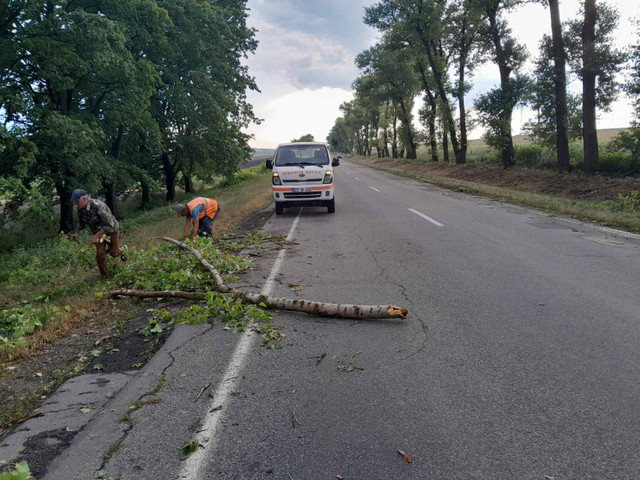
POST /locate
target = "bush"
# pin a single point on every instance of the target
(528, 154)
(618, 163)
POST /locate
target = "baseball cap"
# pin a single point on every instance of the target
(77, 195)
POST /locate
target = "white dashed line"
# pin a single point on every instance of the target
(373, 188)
(427, 217)
(356, 178)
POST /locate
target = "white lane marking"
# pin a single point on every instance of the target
(193, 466)
(427, 217)
(373, 188)
(356, 178)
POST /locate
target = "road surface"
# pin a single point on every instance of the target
(520, 358)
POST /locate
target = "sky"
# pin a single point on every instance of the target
(304, 63)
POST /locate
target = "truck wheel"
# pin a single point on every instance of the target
(331, 205)
(279, 208)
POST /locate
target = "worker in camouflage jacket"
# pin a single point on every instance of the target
(104, 227)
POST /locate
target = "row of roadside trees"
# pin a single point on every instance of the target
(430, 49)
(112, 95)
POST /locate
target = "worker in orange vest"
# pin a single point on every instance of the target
(201, 212)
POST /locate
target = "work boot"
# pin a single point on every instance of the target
(123, 250)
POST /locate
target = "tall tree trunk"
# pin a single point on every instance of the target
(385, 134)
(394, 143)
(411, 147)
(461, 157)
(188, 183)
(590, 129)
(505, 73)
(445, 145)
(146, 194)
(109, 189)
(66, 207)
(560, 81)
(431, 118)
(170, 177)
(441, 91)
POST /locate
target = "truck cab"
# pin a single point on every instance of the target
(303, 176)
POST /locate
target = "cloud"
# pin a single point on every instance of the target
(298, 113)
(301, 59)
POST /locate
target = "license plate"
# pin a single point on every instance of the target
(301, 189)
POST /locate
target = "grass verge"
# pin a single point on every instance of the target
(49, 289)
(602, 207)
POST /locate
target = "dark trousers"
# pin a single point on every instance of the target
(204, 227)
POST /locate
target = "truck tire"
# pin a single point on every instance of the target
(279, 208)
(331, 205)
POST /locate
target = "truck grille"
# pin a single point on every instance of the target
(309, 180)
(303, 195)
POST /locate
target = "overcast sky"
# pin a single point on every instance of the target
(304, 62)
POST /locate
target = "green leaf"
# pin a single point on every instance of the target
(190, 447)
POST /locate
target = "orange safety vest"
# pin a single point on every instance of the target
(210, 206)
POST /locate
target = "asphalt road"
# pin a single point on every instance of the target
(520, 358)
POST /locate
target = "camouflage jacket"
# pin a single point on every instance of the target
(97, 216)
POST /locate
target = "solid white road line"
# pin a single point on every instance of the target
(193, 466)
(373, 188)
(426, 217)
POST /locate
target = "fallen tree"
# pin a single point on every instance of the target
(361, 312)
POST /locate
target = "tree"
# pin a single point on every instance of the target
(596, 62)
(463, 29)
(423, 22)
(305, 138)
(497, 106)
(68, 60)
(201, 106)
(393, 70)
(561, 112)
(543, 99)
(340, 137)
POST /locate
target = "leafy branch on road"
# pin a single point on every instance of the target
(355, 311)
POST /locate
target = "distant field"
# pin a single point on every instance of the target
(263, 152)
(604, 136)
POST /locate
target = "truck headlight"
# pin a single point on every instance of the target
(328, 177)
(276, 179)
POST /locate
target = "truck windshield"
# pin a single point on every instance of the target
(302, 155)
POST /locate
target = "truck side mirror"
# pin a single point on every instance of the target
(269, 163)
(336, 161)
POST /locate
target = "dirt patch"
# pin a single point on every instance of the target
(591, 188)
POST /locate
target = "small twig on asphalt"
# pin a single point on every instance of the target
(294, 419)
(216, 409)
(353, 356)
(202, 391)
(318, 358)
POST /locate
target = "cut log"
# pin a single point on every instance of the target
(323, 309)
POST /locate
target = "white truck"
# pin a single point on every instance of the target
(303, 176)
